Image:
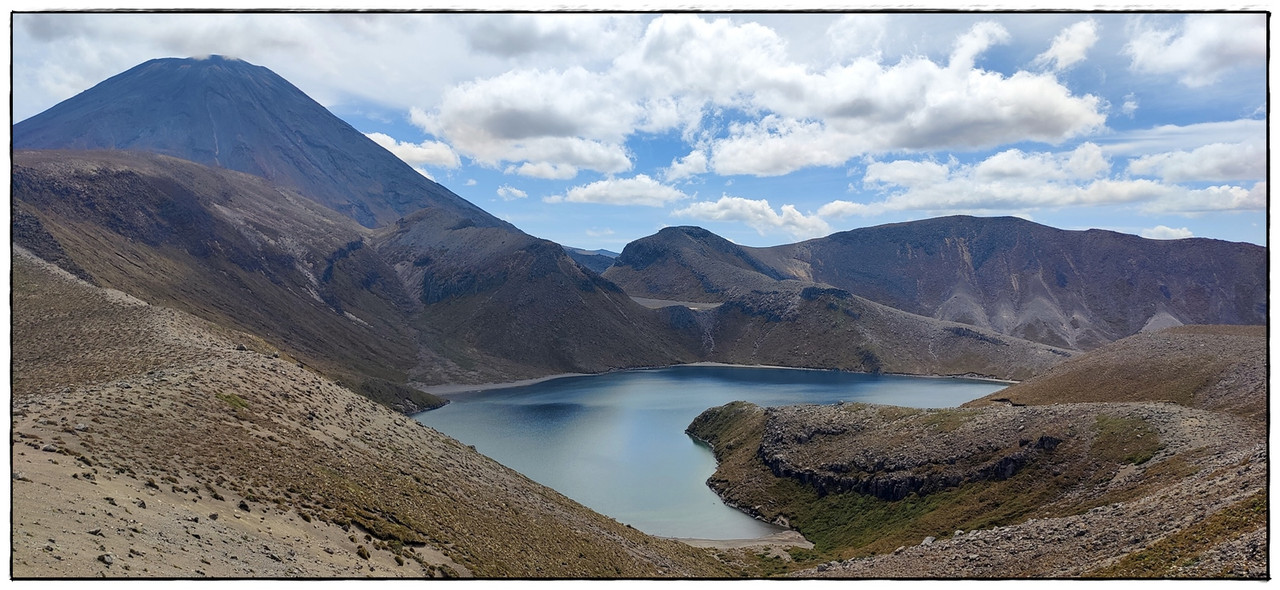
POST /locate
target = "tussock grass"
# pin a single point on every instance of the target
(233, 400)
(1166, 557)
(1124, 440)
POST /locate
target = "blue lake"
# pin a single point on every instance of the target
(616, 442)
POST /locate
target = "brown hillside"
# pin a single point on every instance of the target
(225, 246)
(1221, 368)
(429, 298)
(146, 442)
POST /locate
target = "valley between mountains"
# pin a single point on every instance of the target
(221, 321)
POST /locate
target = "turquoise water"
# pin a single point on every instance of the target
(616, 442)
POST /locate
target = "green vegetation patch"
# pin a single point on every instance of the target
(946, 420)
(1167, 556)
(233, 400)
(724, 426)
(390, 393)
(852, 525)
(1124, 440)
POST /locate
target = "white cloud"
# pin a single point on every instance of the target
(856, 35)
(775, 146)
(640, 190)
(1018, 165)
(599, 233)
(433, 153)
(841, 208)
(544, 170)
(1130, 105)
(977, 40)
(1202, 48)
(510, 193)
(1161, 232)
(1015, 181)
(708, 60)
(1086, 161)
(690, 165)
(864, 107)
(514, 35)
(758, 215)
(561, 118)
(1215, 198)
(686, 70)
(906, 173)
(1070, 46)
(1214, 162)
(470, 182)
(1169, 138)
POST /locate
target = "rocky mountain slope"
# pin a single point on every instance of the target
(501, 306)
(750, 313)
(596, 260)
(149, 443)
(229, 247)
(690, 264)
(1070, 289)
(1067, 488)
(827, 328)
(427, 299)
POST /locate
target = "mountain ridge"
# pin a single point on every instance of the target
(1070, 289)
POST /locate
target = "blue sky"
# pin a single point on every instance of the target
(597, 129)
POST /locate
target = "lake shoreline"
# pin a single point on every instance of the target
(619, 445)
(787, 538)
(450, 390)
(454, 390)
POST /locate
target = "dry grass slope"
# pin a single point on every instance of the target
(145, 443)
(1221, 368)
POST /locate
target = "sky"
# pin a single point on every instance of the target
(594, 130)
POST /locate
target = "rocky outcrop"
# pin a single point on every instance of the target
(836, 479)
(843, 449)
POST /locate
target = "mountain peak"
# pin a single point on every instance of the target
(226, 112)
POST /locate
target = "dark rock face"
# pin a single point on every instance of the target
(31, 234)
(841, 450)
(231, 114)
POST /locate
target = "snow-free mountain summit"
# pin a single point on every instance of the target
(231, 114)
